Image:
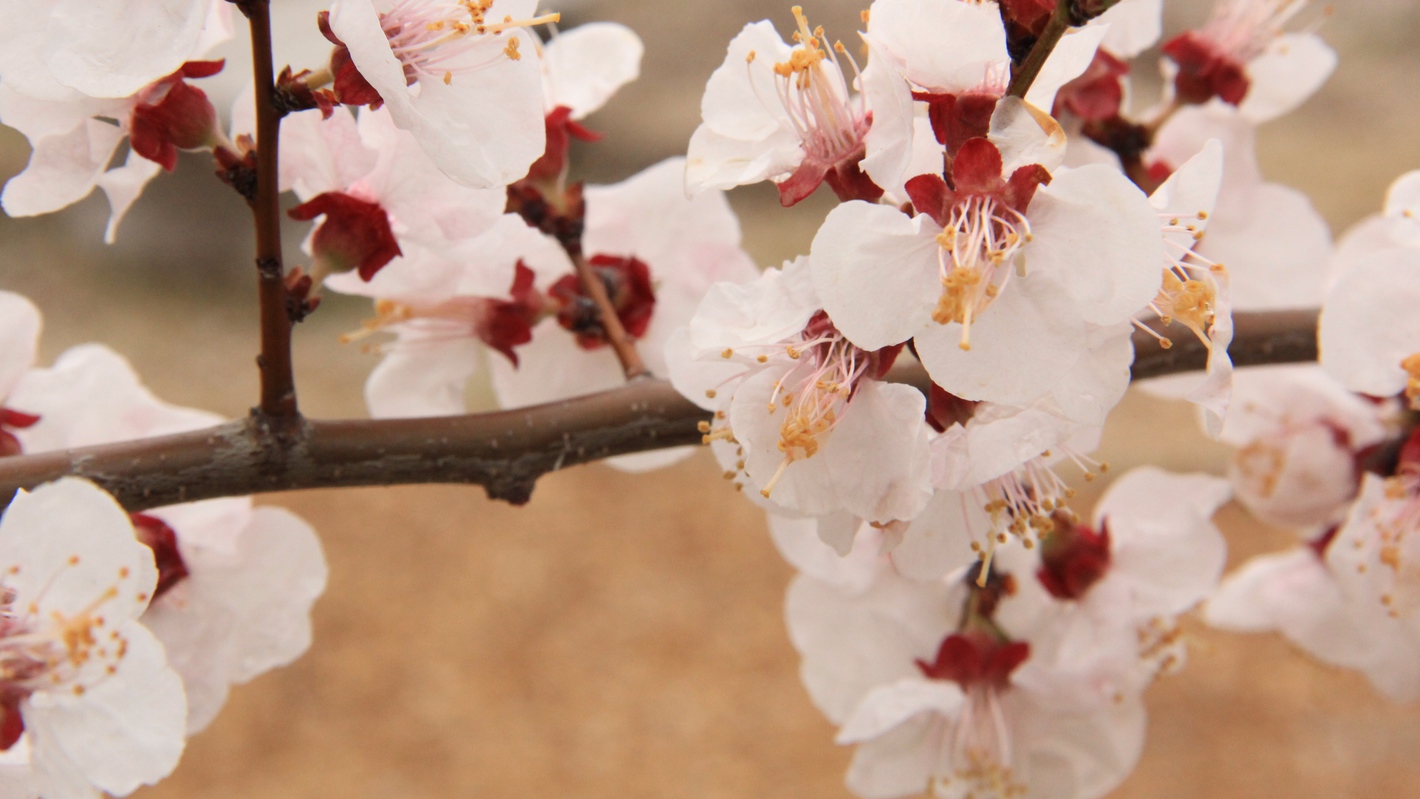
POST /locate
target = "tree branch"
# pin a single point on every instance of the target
(278, 386)
(505, 452)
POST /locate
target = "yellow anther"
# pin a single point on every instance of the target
(1411, 365)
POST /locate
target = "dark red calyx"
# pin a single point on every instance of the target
(975, 658)
(1204, 72)
(237, 168)
(1073, 557)
(355, 234)
(155, 534)
(845, 176)
(945, 409)
(1126, 139)
(508, 323)
(1096, 94)
(1319, 544)
(561, 215)
(975, 172)
(850, 182)
(13, 420)
(12, 723)
(628, 286)
(561, 130)
(172, 115)
(293, 94)
(349, 86)
(958, 118)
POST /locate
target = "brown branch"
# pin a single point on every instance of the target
(504, 452)
(631, 364)
(1023, 75)
(278, 386)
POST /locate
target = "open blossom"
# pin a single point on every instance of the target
(1330, 465)
(657, 253)
(998, 276)
(802, 415)
(788, 113)
(515, 290)
(442, 307)
(462, 76)
(1275, 245)
(235, 583)
(73, 69)
(61, 49)
(87, 694)
(1368, 337)
(377, 191)
(1244, 56)
(1302, 442)
(72, 142)
(1150, 553)
(922, 676)
(1349, 596)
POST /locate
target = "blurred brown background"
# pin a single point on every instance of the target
(622, 636)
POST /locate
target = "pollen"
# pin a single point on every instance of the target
(814, 91)
(1411, 365)
(426, 35)
(979, 252)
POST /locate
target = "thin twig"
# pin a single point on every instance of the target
(504, 452)
(1025, 74)
(278, 386)
(631, 364)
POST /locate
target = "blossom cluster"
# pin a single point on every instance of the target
(122, 632)
(1007, 227)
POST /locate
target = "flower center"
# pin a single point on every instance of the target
(431, 37)
(815, 94)
(499, 324)
(814, 393)
(978, 253)
(628, 285)
(1191, 284)
(38, 653)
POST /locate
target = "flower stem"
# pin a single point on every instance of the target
(1024, 74)
(631, 364)
(278, 387)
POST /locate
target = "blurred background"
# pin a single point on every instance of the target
(622, 636)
